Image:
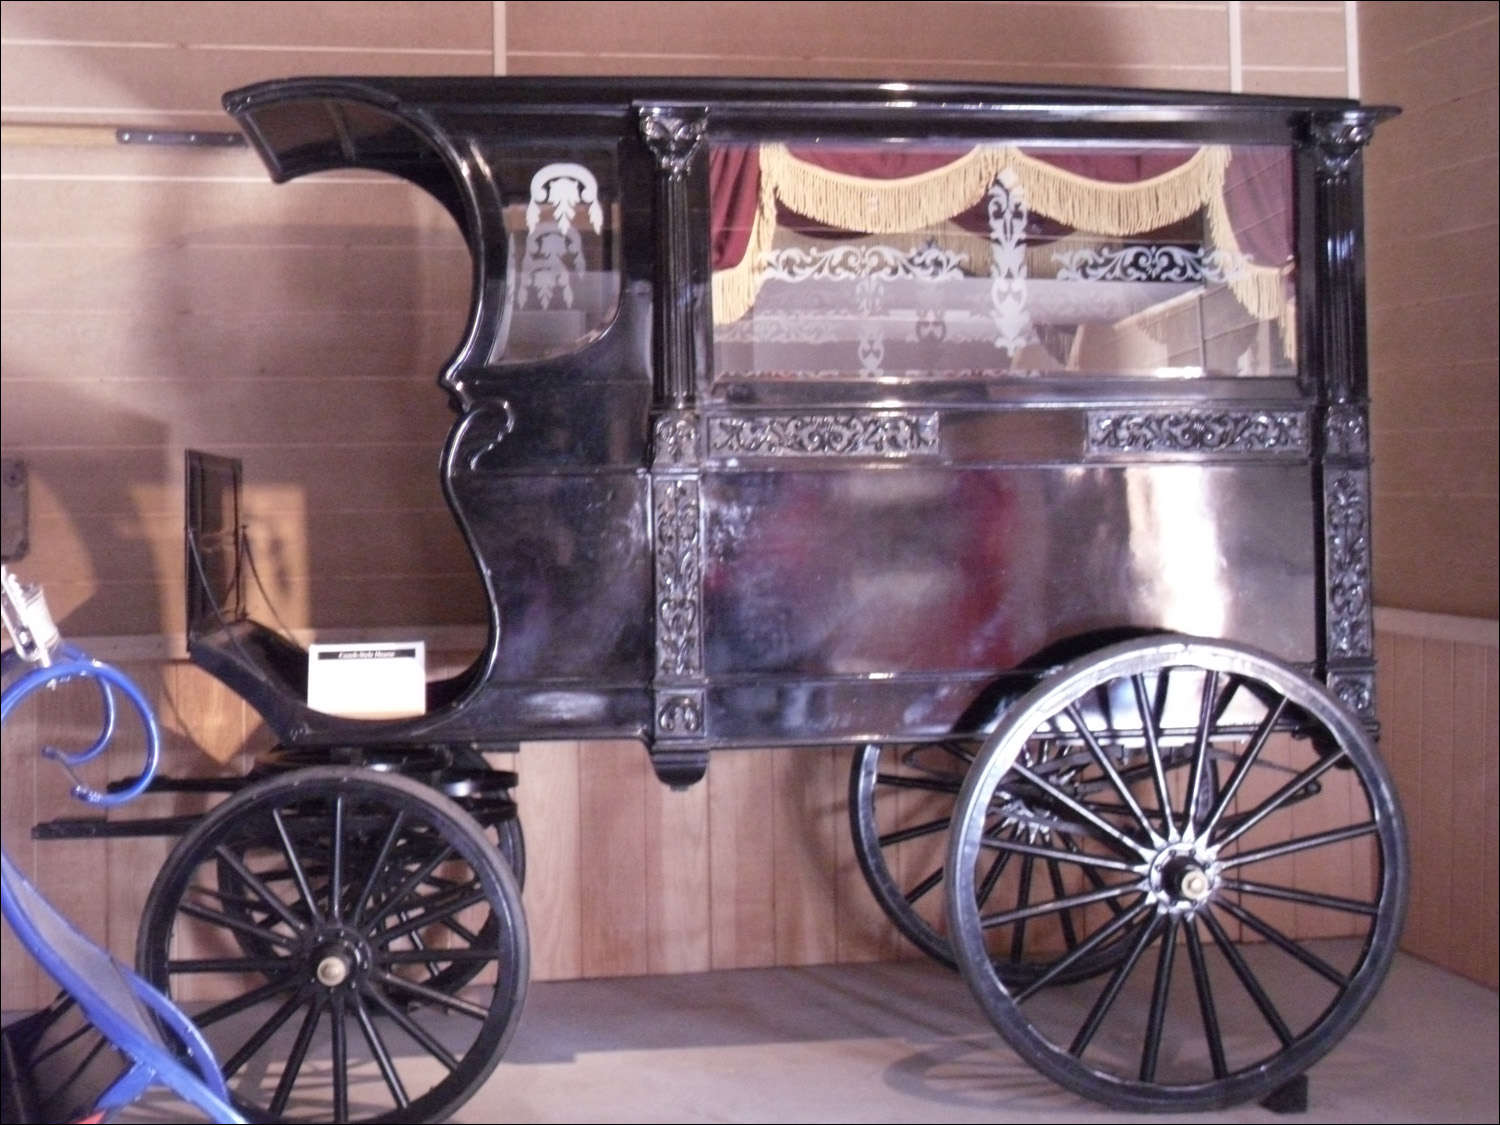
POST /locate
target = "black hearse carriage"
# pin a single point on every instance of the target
(1015, 436)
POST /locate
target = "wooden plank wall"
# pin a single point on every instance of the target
(160, 298)
(1285, 48)
(1438, 710)
(1434, 304)
(155, 299)
(1431, 204)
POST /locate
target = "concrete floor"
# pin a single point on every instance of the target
(906, 1043)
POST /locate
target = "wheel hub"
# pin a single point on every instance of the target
(337, 958)
(1183, 878)
(333, 969)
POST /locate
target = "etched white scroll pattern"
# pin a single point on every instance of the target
(554, 247)
(1008, 217)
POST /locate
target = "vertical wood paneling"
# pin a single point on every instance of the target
(918, 859)
(1342, 870)
(548, 798)
(804, 823)
(612, 854)
(676, 858)
(203, 714)
(1489, 869)
(1474, 753)
(742, 874)
(1430, 923)
(1439, 737)
(20, 978)
(1400, 711)
(1281, 751)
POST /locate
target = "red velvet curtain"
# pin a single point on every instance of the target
(1257, 187)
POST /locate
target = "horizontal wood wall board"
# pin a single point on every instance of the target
(349, 24)
(956, 35)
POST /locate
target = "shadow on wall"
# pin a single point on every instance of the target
(98, 513)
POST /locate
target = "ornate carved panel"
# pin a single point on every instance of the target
(884, 434)
(679, 619)
(1355, 690)
(1337, 138)
(675, 440)
(679, 714)
(1197, 431)
(1348, 431)
(673, 135)
(1346, 514)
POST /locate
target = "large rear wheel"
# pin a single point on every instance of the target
(1230, 860)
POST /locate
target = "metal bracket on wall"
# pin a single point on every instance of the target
(194, 138)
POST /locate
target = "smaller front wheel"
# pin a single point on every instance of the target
(1229, 864)
(364, 959)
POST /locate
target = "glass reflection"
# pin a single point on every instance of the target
(562, 279)
(882, 261)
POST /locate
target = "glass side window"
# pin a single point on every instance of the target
(562, 227)
(918, 261)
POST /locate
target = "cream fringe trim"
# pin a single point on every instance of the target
(910, 203)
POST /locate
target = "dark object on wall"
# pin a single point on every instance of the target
(14, 512)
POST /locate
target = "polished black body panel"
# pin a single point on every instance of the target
(664, 562)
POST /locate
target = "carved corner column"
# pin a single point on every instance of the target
(679, 744)
(1339, 359)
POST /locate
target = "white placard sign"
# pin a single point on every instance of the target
(368, 681)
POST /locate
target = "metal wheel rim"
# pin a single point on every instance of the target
(1063, 1034)
(357, 957)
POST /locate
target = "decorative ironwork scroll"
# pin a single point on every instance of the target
(497, 420)
(679, 640)
(1338, 138)
(1346, 515)
(1355, 690)
(675, 440)
(1198, 431)
(884, 434)
(673, 135)
(1347, 431)
(680, 715)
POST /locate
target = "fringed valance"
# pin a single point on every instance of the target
(861, 191)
